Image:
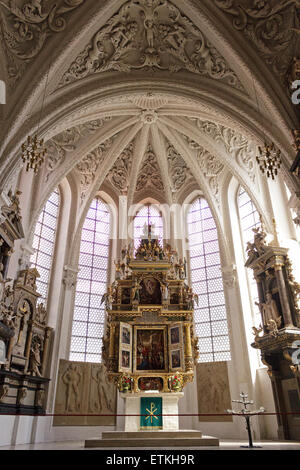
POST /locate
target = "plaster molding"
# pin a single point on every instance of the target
(154, 35)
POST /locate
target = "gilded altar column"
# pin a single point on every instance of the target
(111, 352)
(188, 348)
(286, 311)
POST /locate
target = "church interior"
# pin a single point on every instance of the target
(149, 222)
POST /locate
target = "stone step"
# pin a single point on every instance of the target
(164, 434)
(155, 442)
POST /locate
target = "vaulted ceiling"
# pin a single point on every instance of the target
(142, 95)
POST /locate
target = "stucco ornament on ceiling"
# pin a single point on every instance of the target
(270, 25)
(179, 173)
(149, 175)
(89, 166)
(150, 34)
(26, 25)
(242, 150)
(119, 175)
(67, 141)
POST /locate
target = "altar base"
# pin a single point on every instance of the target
(154, 439)
(170, 419)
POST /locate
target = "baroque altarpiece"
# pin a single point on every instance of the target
(150, 342)
(25, 338)
(278, 335)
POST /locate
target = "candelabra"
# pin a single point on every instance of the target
(269, 160)
(33, 153)
(247, 414)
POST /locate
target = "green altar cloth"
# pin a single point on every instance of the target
(151, 407)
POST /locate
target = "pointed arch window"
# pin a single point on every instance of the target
(44, 242)
(89, 314)
(206, 278)
(249, 219)
(146, 215)
(249, 216)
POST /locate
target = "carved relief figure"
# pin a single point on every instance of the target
(72, 378)
(105, 400)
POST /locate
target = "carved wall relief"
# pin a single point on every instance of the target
(83, 389)
(213, 391)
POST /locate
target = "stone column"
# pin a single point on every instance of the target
(287, 316)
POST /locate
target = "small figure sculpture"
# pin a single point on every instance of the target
(108, 299)
(136, 292)
(256, 332)
(41, 313)
(118, 269)
(164, 291)
(269, 310)
(35, 359)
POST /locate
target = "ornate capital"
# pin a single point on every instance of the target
(229, 276)
(70, 277)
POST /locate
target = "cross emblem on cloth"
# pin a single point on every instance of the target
(151, 412)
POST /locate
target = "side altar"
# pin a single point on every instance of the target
(278, 335)
(150, 346)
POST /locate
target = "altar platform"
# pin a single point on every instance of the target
(156, 439)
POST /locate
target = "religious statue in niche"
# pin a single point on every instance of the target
(269, 310)
(41, 313)
(136, 296)
(35, 357)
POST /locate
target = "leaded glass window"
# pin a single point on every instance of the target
(89, 314)
(206, 277)
(43, 244)
(146, 215)
(249, 219)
